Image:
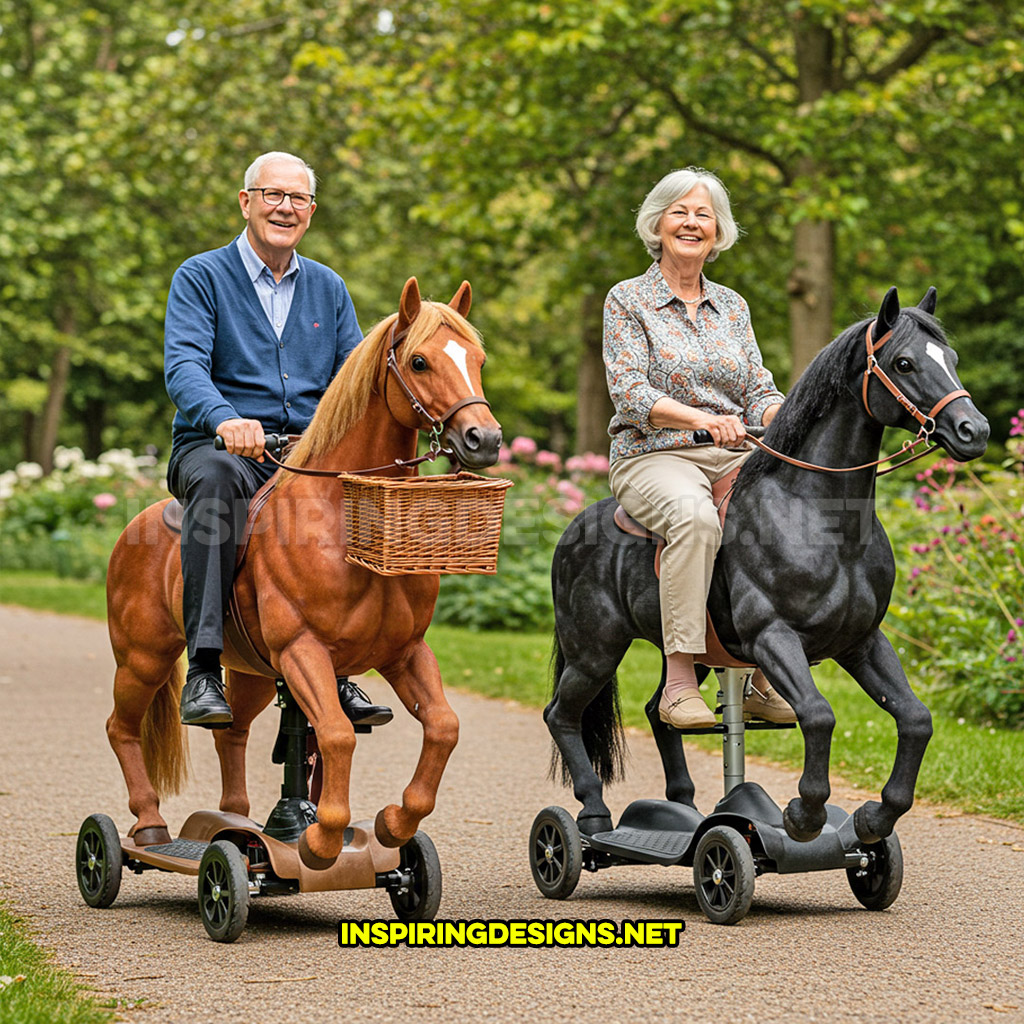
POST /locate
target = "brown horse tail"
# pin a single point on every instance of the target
(164, 746)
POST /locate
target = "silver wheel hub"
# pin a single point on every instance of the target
(549, 854)
(92, 861)
(717, 876)
(216, 893)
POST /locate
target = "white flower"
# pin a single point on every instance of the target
(28, 470)
(65, 458)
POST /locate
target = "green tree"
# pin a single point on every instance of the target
(537, 127)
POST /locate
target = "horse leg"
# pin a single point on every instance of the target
(309, 673)
(416, 680)
(248, 695)
(781, 657)
(877, 668)
(576, 687)
(679, 786)
(146, 692)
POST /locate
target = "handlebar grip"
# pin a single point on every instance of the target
(271, 442)
(702, 437)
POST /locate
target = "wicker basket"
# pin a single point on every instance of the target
(424, 525)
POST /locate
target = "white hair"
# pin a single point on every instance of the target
(253, 171)
(673, 186)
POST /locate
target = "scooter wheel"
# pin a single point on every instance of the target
(723, 875)
(556, 855)
(421, 898)
(878, 883)
(98, 861)
(223, 891)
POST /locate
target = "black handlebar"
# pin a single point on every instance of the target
(702, 437)
(271, 442)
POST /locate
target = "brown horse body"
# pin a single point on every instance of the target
(310, 613)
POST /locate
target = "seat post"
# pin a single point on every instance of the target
(294, 812)
(733, 684)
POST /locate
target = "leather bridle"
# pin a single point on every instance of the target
(926, 420)
(437, 424)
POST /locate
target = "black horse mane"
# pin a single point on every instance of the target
(822, 384)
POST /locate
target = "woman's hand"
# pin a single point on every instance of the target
(725, 431)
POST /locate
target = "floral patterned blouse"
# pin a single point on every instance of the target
(653, 349)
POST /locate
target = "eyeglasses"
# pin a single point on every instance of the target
(275, 197)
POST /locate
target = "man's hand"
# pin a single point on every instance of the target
(243, 437)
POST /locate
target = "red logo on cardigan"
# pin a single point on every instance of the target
(315, 324)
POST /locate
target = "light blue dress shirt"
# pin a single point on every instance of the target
(275, 296)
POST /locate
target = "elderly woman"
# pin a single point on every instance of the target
(681, 356)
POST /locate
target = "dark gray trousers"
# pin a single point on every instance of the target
(215, 489)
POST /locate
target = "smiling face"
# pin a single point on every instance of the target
(688, 228)
(275, 231)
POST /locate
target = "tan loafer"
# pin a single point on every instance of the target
(768, 706)
(687, 712)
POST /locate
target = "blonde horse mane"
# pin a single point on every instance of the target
(345, 401)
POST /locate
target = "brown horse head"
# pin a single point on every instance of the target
(434, 380)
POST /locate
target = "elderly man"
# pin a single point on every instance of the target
(254, 333)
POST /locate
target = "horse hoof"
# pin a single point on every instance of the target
(311, 859)
(590, 824)
(385, 835)
(864, 832)
(797, 834)
(153, 836)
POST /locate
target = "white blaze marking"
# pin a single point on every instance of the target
(457, 354)
(938, 355)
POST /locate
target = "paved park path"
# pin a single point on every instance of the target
(950, 949)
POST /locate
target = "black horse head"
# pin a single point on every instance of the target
(914, 355)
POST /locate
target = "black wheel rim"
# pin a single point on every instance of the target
(412, 862)
(718, 876)
(92, 862)
(216, 894)
(549, 853)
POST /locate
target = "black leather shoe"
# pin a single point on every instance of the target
(357, 705)
(203, 703)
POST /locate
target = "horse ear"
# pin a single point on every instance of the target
(928, 302)
(409, 307)
(887, 314)
(462, 299)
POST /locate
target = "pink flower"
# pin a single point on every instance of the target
(104, 500)
(552, 459)
(504, 455)
(523, 446)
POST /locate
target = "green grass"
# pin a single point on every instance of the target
(33, 990)
(969, 767)
(50, 593)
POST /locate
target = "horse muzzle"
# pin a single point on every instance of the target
(475, 446)
(962, 431)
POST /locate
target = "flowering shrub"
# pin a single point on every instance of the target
(962, 613)
(67, 522)
(547, 496)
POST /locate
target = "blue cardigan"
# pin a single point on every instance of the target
(222, 359)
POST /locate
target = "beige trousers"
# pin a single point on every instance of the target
(670, 493)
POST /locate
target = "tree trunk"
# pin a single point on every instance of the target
(812, 291)
(28, 434)
(60, 371)
(593, 406)
(811, 285)
(95, 421)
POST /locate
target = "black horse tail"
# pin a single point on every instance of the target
(600, 726)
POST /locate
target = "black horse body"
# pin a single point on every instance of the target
(805, 573)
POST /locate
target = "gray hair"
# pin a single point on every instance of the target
(253, 171)
(672, 187)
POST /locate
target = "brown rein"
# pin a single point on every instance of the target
(437, 423)
(927, 421)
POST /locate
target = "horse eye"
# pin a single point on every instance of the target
(419, 364)
(903, 365)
